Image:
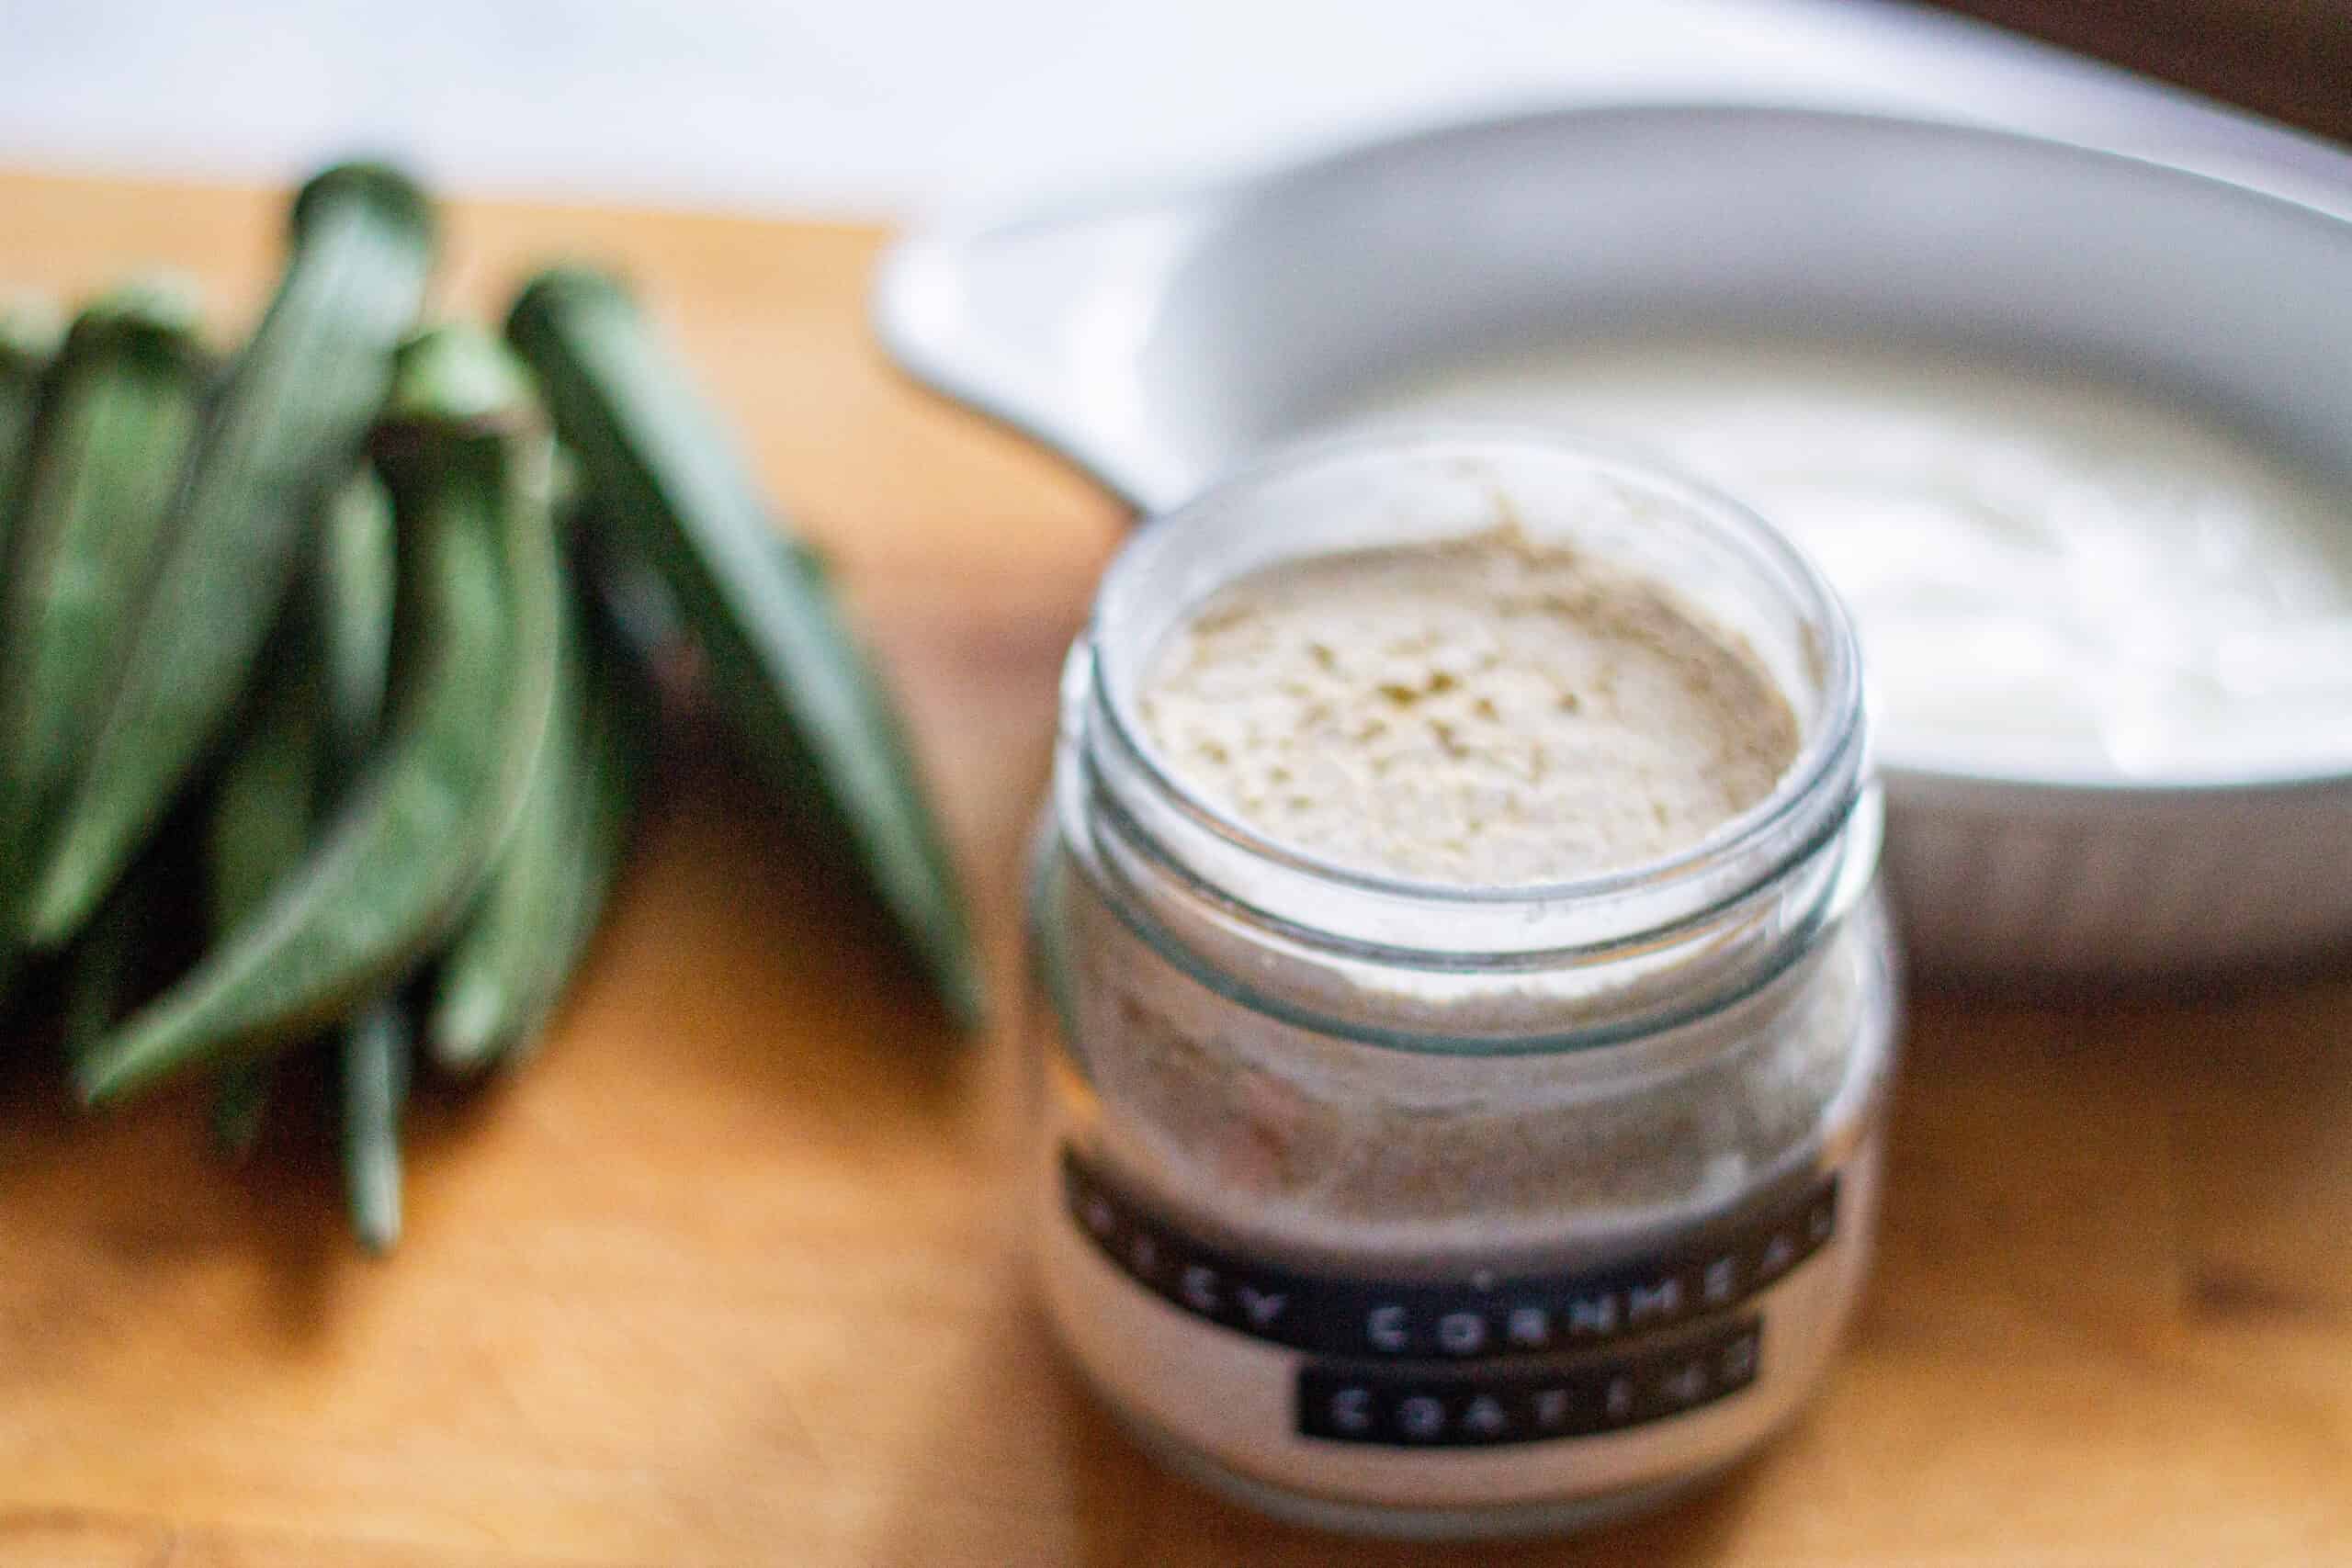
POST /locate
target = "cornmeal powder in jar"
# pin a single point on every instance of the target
(1482, 711)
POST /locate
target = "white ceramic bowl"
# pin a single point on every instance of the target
(1158, 341)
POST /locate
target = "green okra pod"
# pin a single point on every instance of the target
(264, 810)
(287, 433)
(785, 666)
(617, 755)
(119, 406)
(314, 717)
(265, 805)
(355, 579)
(506, 973)
(503, 947)
(29, 330)
(473, 676)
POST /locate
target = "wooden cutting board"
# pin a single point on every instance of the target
(732, 1275)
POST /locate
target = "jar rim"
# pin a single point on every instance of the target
(1831, 744)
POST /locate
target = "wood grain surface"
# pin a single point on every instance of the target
(732, 1274)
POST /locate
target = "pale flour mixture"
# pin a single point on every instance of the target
(1486, 711)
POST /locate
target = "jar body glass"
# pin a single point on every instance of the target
(1356, 1201)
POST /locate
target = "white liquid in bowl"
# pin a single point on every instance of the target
(2051, 575)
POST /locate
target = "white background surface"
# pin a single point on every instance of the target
(887, 106)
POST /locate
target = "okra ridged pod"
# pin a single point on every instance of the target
(28, 336)
(472, 680)
(317, 710)
(356, 582)
(501, 949)
(121, 404)
(265, 805)
(355, 579)
(264, 811)
(786, 667)
(617, 755)
(288, 432)
(506, 973)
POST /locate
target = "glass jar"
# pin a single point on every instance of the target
(1439, 1210)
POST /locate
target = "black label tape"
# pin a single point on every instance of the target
(1452, 1407)
(1480, 1317)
